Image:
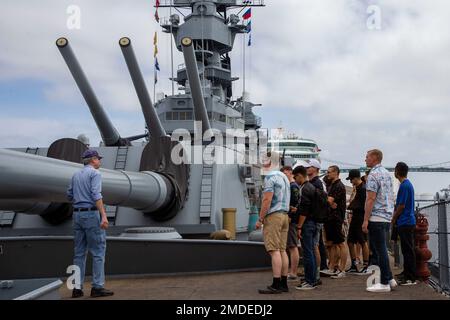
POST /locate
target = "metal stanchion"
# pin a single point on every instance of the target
(443, 244)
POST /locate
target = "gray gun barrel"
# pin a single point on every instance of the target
(200, 111)
(109, 134)
(17, 205)
(29, 177)
(151, 118)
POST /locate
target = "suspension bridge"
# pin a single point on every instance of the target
(345, 167)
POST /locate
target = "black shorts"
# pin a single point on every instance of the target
(333, 231)
(292, 238)
(355, 233)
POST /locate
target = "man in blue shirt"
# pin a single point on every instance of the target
(274, 216)
(405, 221)
(89, 223)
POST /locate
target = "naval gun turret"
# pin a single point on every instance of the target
(36, 185)
(109, 133)
(152, 121)
(200, 112)
(33, 178)
(143, 186)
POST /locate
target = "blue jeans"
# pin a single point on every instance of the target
(319, 227)
(88, 236)
(309, 232)
(377, 235)
(373, 259)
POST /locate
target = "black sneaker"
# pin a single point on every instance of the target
(100, 292)
(407, 282)
(306, 286)
(400, 276)
(352, 269)
(284, 289)
(270, 290)
(364, 271)
(77, 293)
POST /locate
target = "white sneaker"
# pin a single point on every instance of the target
(379, 288)
(291, 277)
(329, 272)
(339, 275)
(393, 283)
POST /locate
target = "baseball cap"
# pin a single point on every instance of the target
(90, 154)
(300, 163)
(313, 163)
(354, 173)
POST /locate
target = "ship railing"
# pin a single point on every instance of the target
(174, 3)
(250, 2)
(438, 217)
(187, 3)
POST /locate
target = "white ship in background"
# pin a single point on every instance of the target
(291, 145)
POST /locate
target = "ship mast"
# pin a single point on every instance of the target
(211, 47)
(212, 25)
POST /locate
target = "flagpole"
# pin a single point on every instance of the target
(171, 49)
(243, 64)
(155, 52)
(243, 76)
(154, 86)
(250, 52)
(155, 44)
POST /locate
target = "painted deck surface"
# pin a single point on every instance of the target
(245, 285)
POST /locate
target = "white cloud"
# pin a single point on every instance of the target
(29, 50)
(28, 132)
(362, 88)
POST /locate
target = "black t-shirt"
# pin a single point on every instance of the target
(317, 183)
(337, 191)
(358, 202)
(295, 198)
(306, 200)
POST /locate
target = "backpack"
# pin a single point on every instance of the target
(320, 207)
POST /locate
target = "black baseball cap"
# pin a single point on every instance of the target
(354, 173)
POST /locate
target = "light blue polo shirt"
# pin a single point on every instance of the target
(85, 188)
(278, 183)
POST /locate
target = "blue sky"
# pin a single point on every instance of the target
(314, 65)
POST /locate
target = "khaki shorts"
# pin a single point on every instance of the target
(275, 231)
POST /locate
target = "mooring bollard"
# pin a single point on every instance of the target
(423, 254)
(229, 221)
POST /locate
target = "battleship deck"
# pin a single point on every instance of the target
(245, 285)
